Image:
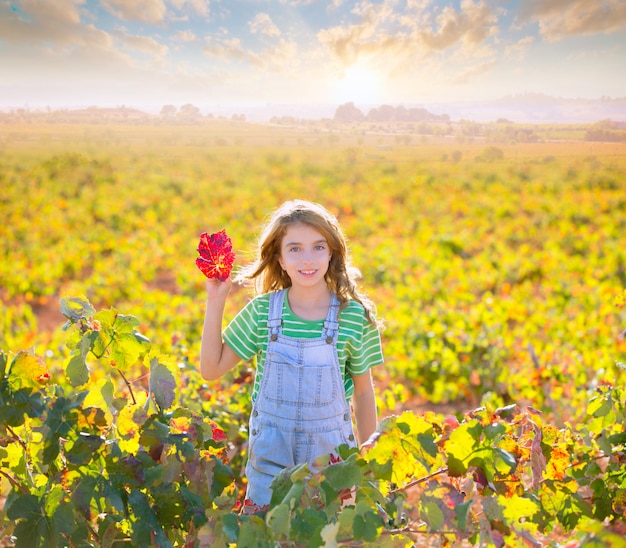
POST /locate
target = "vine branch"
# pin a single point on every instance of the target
(130, 388)
(14, 482)
(418, 481)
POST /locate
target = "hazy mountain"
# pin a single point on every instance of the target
(530, 107)
(538, 108)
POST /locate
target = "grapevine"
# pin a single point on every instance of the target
(101, 458)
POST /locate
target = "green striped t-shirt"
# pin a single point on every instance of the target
(358, 341)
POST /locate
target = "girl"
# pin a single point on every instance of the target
(315, 338)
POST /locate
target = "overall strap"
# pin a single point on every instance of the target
(275, 317)
(331, 323)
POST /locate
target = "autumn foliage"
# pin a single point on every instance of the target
(501, 284)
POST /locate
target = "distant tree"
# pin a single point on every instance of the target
(189, 112)
(348, 113)
(168, 111)
(384, 113)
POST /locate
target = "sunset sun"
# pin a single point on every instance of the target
(358, 84)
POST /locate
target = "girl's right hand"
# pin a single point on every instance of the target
(216, 289)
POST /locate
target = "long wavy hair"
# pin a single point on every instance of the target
(342, 277)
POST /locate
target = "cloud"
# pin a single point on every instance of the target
(185, 36)
(558, 19)
(520, 48)
(281, 57)
(200, 6)
(231, 48)
(48, 47)
(143, 43)
(146, 11)
(39, 22)
(472, 25)
(472, 72)
(418, 31)
(261, 23)
(370, 36)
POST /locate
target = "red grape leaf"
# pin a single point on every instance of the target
(216, 255)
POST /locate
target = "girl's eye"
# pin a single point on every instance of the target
(294, 249)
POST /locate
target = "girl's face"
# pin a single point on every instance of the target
(304, 255)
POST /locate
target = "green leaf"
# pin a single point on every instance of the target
(61, 421)
(599, 407)
(307, 526)
(222, 477)
(20, 403)
(494, 431)
(344, 475)
(281, 484)
(427, 443)
(294, 494)
(75, 308)
(433, 516)
(382, 471)
(76, 369)
(253, 533)
(365, 527)
(461, 445)
(278, 519)
(146, 528)
(505, 462)
(84, 449)
(30, 533)
(126, 323)
(195, 511)
(25, 506)
(461, 512)
(127, 348)
(4, 360)
(618, 439)
(64, 519)
(230, 526)
(162, 384)
(456, 467)
(84, 493)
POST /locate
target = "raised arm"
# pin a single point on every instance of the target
(216, 357)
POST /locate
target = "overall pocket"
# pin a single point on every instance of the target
(290, 382)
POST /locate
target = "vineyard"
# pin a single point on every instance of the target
(499, 270)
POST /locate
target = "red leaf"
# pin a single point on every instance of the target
(218, 434)
(216, 255)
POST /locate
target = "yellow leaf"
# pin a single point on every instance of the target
(558, 463)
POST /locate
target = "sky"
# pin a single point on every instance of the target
(149, 53)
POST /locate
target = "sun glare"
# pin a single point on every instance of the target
(358, 85)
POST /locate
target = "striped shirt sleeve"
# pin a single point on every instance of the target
(243, 333)
(363, 343)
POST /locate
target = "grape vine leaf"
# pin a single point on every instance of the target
(162, 384)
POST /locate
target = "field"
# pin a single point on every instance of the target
(498, 268)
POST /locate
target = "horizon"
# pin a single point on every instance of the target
(306, 52)
(524, 108)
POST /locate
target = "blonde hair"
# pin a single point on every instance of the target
(267, 275)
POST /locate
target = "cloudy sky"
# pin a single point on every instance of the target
(209, 52)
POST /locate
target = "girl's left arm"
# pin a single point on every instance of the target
(364, 405)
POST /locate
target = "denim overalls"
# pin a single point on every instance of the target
(301, 410)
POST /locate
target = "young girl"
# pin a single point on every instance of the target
(315, 338)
